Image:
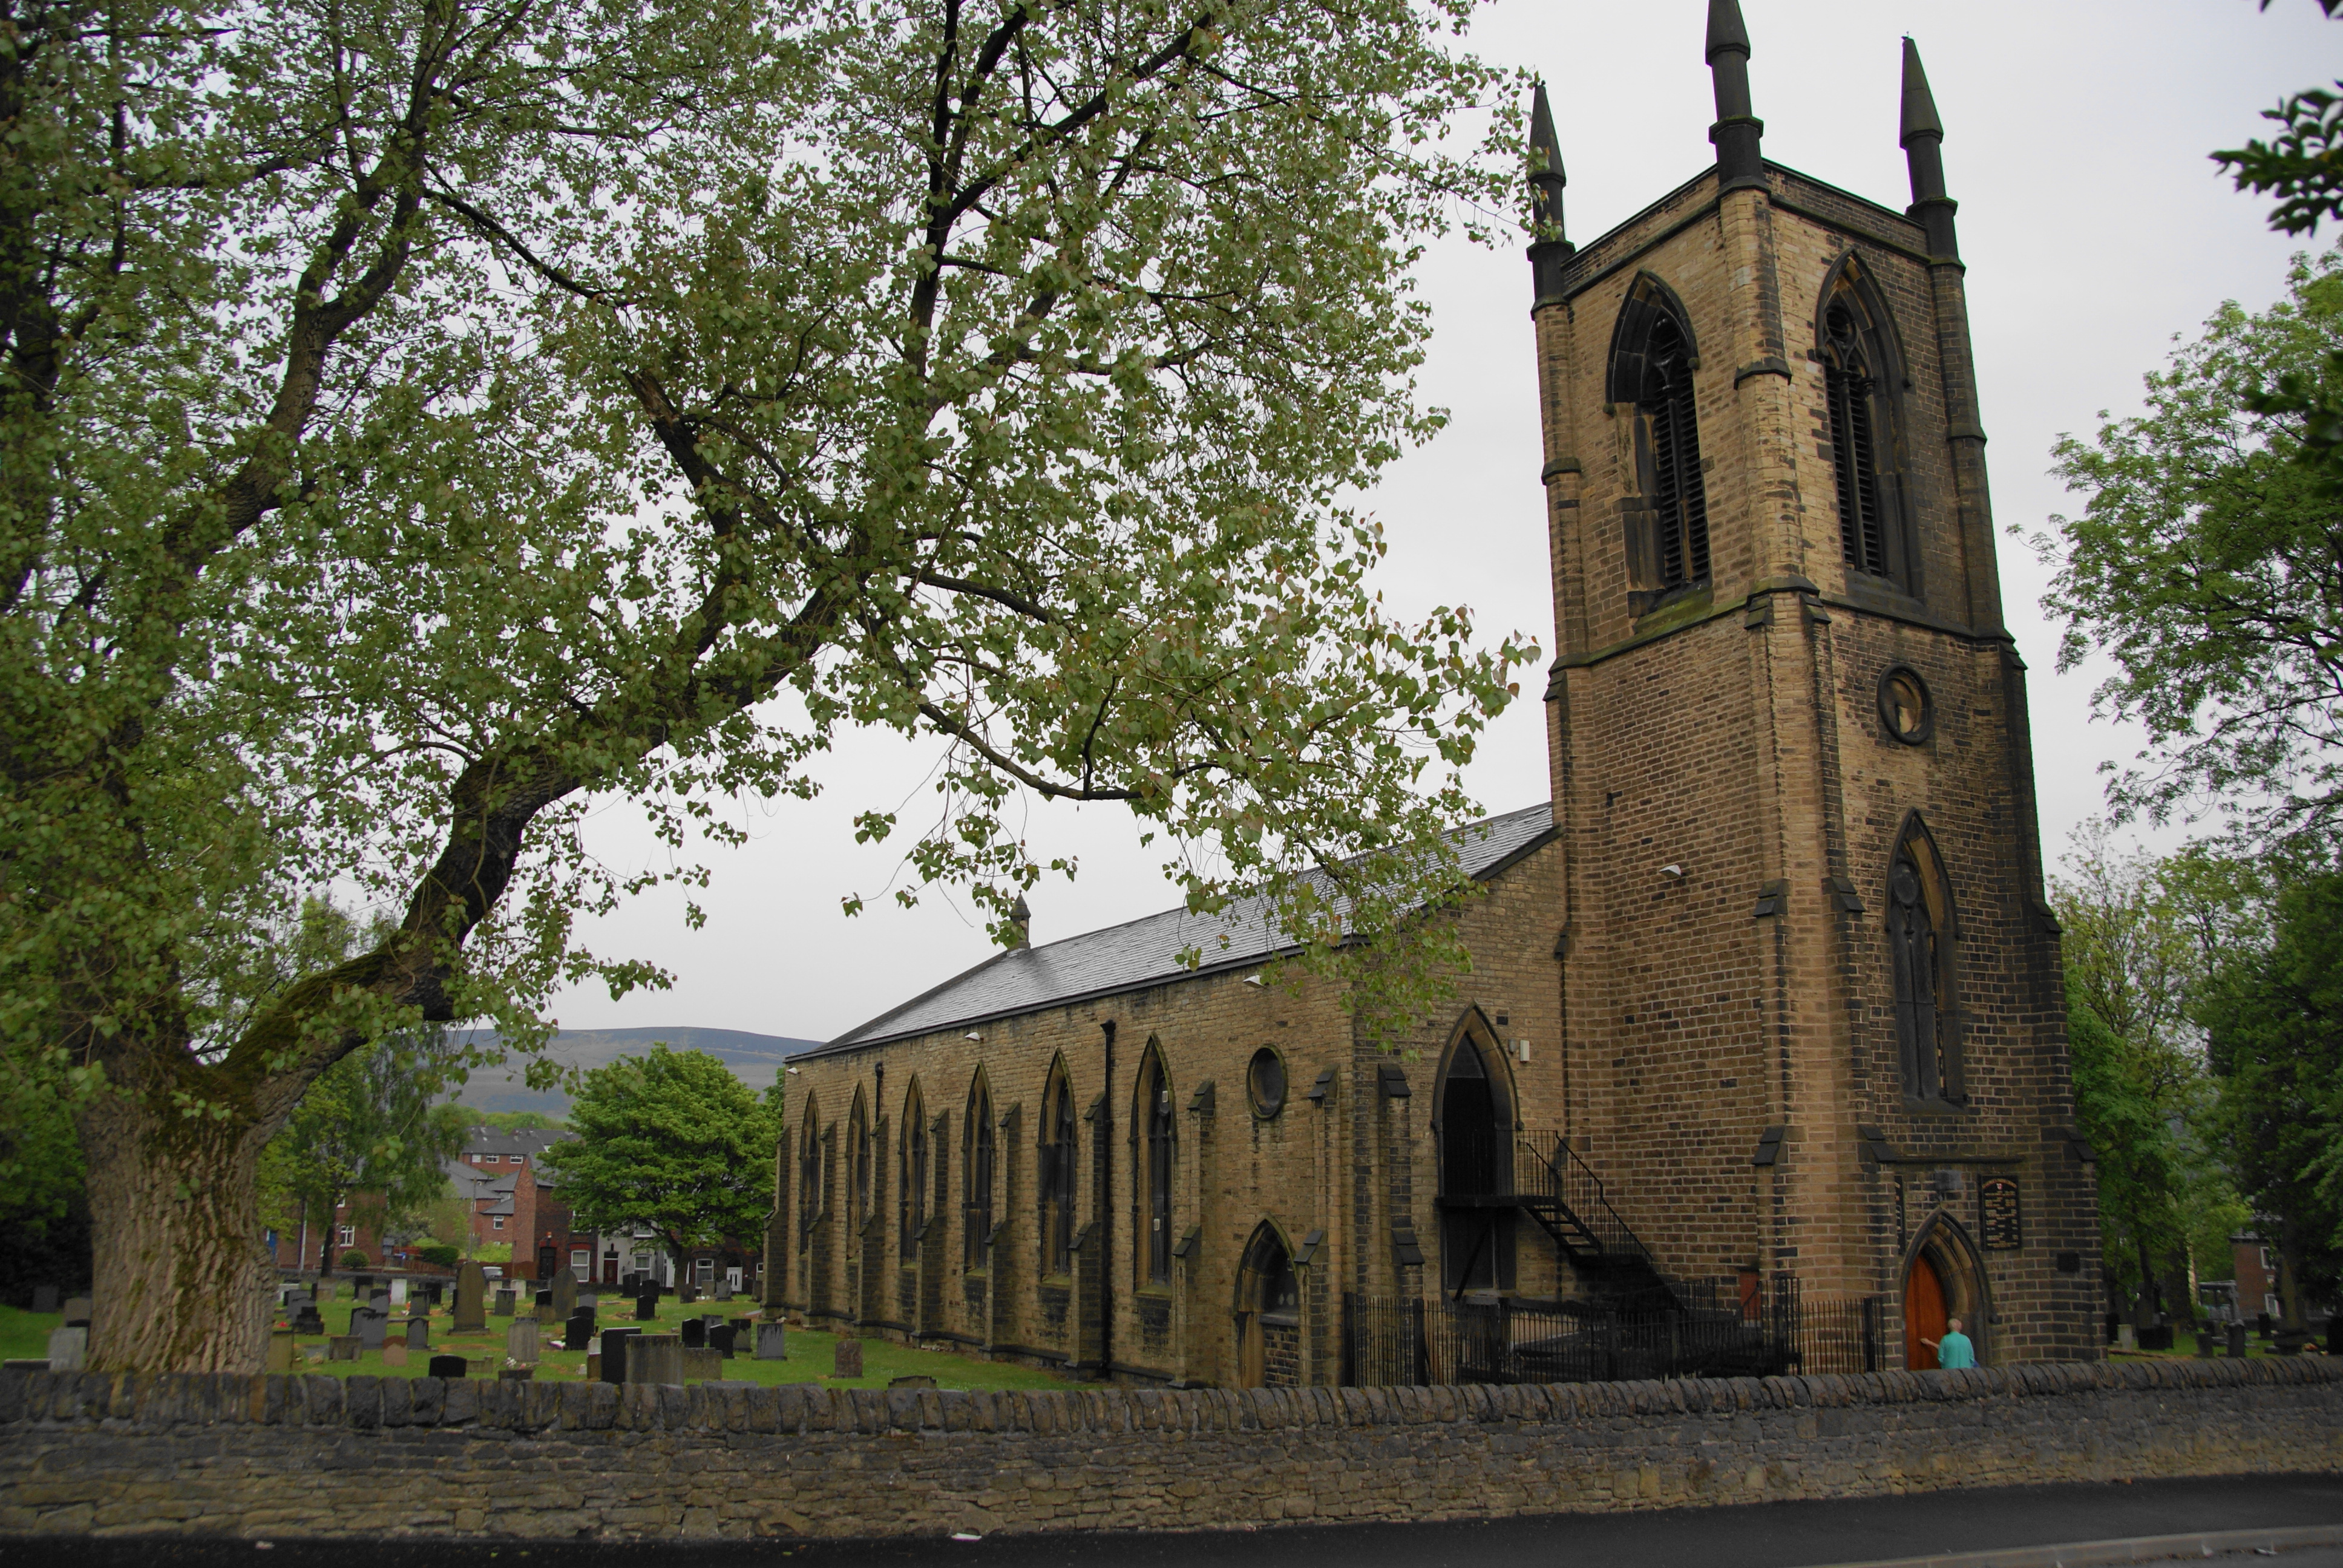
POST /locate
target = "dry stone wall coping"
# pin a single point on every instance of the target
(37, 1399)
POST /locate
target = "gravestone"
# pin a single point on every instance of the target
(772, 1341)
(369, 1324)
(724, 1289)
(361, 1286)
(655, 1358)
(589, 1298)
(505, 1302)
(394, 1356)
(847, 1362)
(68, 1349)
(564, 1293)
(313, 1355)
(78, 1310)
(578, 1328)
(647, 1307)
(471, 1288)
(399, 1292)
(431, 1289)
(702, 1364)
(695, 1334)
(280, 1351)
(44, 1297)
(744, 1334)
(380, 1299)
(544, 1314)
(720, 1339)
(451, 1366)
(686, 1291)
(309, 1320)
(614, 1354)
(341, 1347)
(418, 1332)
(520, 1342)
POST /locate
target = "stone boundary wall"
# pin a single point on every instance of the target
(309, 1456)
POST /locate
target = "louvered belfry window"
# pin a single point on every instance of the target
(1674, 431)
(1863, 532)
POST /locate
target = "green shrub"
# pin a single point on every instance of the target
(439, 1254)
(354, 1259)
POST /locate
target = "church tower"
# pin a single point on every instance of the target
(1814, 1020)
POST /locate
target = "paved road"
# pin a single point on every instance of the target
(1764, 1536)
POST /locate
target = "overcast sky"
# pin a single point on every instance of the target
(2093, 227)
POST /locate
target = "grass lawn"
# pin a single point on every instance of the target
(811, 1351)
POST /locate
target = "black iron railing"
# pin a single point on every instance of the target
(1703, 1329)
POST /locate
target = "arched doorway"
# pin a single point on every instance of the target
(1267, 1315)
(1942, 1280)
(1476, 1147)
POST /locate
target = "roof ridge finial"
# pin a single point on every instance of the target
(1922, 134)
(1548, 246)
(1739, 162)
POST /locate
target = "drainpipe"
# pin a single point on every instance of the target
(1106, 1212)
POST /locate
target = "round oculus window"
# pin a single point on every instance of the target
(1265, 1082)
(1904, 705)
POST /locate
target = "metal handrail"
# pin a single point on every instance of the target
(1566, 1180)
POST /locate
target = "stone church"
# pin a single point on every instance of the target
(1765, 1003)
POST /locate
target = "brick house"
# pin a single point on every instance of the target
(1765, 999)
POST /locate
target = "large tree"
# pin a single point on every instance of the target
(671, 1140)
(423, 416)
(2207, 565)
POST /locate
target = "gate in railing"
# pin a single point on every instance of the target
(1703, 1330)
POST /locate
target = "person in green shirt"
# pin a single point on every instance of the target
(1953, 1351)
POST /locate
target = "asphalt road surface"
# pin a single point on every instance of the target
(1761, 1535)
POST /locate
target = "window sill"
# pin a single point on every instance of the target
(1914, 1106)
(1154, 1291)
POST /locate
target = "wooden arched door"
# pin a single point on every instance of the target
(1924, 1313)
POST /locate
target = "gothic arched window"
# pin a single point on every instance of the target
(1653, 358)
(808, 1176)
(911, 1194)
(976, 1190)
(1859, 367)
(1057, 1182)
(1153, 1125)
(1921, 935)
(857, 1152)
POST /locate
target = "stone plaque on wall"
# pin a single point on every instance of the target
(1997, 1218)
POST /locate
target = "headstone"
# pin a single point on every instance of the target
(655, 1358)
(647, 1307)
(564, 1293)
(77, 1311)
(68, 1349)
(724, 1289)
(369, 1324)
(380, 1299)
(399, 1292)
(848, 1360)
(2209, 1342)
(2237, 1341)
(695, 1334)
(313, 1355)
(516, 1374)
(2262, 1325)
(449, 1366)
(772, 1341)
(720, 1339)
(686, 1293)
(44, 1297)
(505, 1302)
(544, 1312)
(2127, 1338)
(578, 1328)
(341, 1347)
(470, 1299)
(472, 1289)
(431, 1290)
(702, 1363)
(309, 1320)
(280, 1351)
(589, 1298)
(520, 1342)
(361, 1287)
(418, 1332)
(614, 1354)
(394, 1356)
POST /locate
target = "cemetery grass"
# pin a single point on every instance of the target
(26, 1334)
(810, 1359)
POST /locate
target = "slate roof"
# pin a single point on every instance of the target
(1146, 951)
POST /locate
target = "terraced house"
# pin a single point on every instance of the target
(1761, 1060)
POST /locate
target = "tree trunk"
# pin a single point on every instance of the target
(180, 1278)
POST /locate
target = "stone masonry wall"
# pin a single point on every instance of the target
(287, 1457)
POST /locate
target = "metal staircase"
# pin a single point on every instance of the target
(1554, 1186)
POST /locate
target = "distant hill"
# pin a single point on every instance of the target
(754, 1058)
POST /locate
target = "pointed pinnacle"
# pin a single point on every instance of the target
(1919, 104)
(1726, 31)
(1545, 148)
